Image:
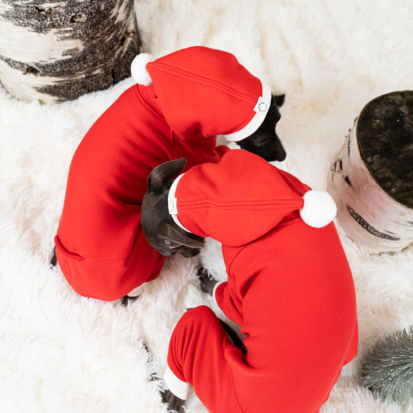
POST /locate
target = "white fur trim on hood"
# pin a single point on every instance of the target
(172, 203)
(261, 109)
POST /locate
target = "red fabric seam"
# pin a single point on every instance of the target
(205, 82)
(146, 104)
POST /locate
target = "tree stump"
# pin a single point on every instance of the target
(372, 178)
(57, 51)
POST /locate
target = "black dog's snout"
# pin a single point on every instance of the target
(278, 149)
(282, 154)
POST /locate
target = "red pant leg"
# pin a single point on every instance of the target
(228, 302)
(197, 356)
(110, 279)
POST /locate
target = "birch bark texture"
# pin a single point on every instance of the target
(371, 180)
(57, 51)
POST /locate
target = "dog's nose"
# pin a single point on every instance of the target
(281, 155)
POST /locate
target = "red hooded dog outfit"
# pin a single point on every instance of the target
(289, 287)
(180, 100)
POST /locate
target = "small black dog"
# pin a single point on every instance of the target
(175, 403)
(165, 236)
(264, 142)
(160, 230)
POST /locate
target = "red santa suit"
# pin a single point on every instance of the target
(179, 101)
(289, 287)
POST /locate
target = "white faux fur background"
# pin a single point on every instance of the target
(63, 353)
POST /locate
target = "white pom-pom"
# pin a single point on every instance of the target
(319, 209)
(138, 69)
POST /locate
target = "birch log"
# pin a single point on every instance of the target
(60, 50)
(372, 178)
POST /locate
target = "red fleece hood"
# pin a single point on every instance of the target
(205, 92)
(238, 200)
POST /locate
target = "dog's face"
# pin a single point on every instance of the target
(160, 229)
(264, 142)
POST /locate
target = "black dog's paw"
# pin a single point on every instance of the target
(206, 281)
(174, 403)
(126, 299)
(53, 260)
(279, 100)
(233, 336)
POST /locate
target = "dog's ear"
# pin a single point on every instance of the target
(162, 173)
(279, 100)
(170, 233)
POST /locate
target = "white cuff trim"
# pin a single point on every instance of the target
(261, 109)
(173, 203)
(178, 387)
(135, 292)
(215, 290)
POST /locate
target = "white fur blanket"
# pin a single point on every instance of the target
(60, 352)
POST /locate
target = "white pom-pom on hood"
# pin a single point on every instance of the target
(138, 69)
(319, 209)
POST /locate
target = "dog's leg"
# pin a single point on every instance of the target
(174, 403)
(206, 281)
(207, 286)
(236, 341)
(53, 260)
(132, 295)
(232, 335)
(125, 300)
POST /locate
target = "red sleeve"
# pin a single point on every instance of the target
(226, 302)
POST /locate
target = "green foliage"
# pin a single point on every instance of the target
(388, 369)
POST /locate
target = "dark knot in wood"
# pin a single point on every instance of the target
(31, 71)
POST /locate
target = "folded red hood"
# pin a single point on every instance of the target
(238, 200)
(204, 92)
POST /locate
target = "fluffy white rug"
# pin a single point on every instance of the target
(60, 352)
